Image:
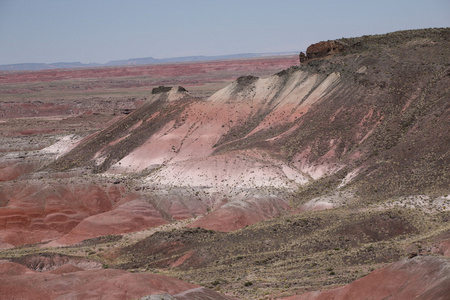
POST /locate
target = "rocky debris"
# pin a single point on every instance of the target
(422, 277)
(243, 83)
(158, 297)
(246, 80)
(52, 262)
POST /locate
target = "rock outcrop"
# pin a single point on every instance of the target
(321, 49)
(324, 48)
(302, 57)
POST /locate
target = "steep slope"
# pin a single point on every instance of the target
(389, 119)
(181, 142)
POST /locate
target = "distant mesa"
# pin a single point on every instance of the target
(321, 49)
(133, 61)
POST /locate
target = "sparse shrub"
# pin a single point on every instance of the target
(215, 282)
(248, 283)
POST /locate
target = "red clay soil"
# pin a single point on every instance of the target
(227, 219)
(37, 109)
(10, 171)
(443, 248)
(423, 277)
(32, 213)
(132, 216)
(70, 282)
(238, 214)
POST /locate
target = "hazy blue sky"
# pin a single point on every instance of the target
(103, 30)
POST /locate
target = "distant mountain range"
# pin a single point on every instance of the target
(131, 62)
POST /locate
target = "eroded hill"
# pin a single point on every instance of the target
(372, 119)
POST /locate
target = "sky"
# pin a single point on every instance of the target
(47, 31)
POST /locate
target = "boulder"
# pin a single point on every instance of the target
(302, 57)
(324, 48)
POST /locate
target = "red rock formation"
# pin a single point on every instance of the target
(10, 171)
(34, 213)
(238, 214)
(324, 48)
(69, 282)
(302, 57)
(443, 248)
(132, 216)
(423, 277)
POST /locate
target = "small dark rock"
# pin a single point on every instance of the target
(161, 89)
(302, 56)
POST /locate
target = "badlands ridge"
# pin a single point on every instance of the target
(360, 128)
